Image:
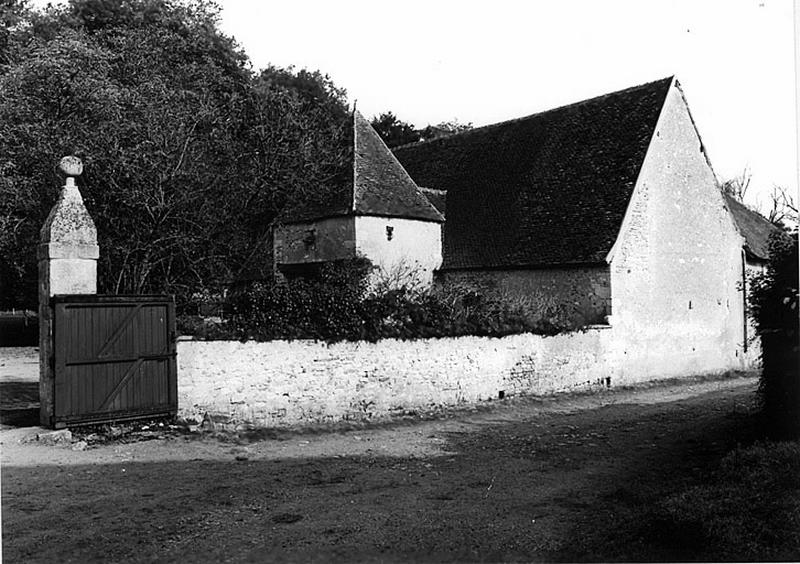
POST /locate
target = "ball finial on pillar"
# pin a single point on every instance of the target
(68, 254)
(71, 166)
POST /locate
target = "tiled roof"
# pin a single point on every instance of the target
(380, 187)
(754, 227)
(437, 197)
(551, 188)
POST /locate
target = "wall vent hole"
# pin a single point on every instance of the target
(310, 239)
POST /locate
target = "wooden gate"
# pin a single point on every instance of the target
(115, 358)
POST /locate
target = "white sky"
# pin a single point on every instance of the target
(485, 61)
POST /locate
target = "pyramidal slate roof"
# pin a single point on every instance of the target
(754, 227)
(548, 189)
(380, 186)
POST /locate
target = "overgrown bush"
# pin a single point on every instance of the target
(774, 302)
(445, 313)
(328, 306)
(339, 303)
(747, 511)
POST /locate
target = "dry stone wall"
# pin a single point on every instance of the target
(281, 383)
(578, 295)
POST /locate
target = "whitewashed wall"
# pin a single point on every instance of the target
(409, 256)
(282, 383)
(676, 269)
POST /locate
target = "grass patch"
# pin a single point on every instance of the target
(749, 511)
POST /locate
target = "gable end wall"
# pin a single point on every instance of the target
(677, 266)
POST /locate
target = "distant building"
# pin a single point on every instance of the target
(756, 230)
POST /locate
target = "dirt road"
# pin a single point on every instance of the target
(565, 478)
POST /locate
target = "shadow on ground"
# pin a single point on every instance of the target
(555, 487)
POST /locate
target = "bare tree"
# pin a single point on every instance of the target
(783, 210)
(781, 207)
(738, 185)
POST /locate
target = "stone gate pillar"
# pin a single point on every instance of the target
(67, 254)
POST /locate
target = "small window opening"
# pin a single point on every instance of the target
(389, 232)
(690, 304)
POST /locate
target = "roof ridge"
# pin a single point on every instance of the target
(536, 114)
(354, 184)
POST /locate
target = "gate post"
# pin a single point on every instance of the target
(67, 255)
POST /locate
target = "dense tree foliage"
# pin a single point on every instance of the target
(774, 301)
(188, 155)
(443, 129)
(396, 132)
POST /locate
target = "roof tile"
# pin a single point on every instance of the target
(754, 227)
(382, 186)
(550, 188)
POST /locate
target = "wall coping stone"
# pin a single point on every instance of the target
(586, 329)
